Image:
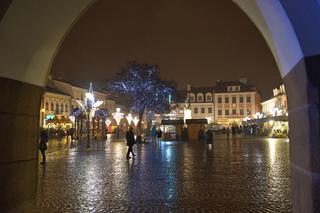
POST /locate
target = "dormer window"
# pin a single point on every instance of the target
(200, 97)
(208, 97)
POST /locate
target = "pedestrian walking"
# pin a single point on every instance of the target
(153, 133)
(159, 134)
(130, 142)
(209, 136)
(43, 145)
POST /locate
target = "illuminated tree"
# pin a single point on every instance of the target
(148, 93)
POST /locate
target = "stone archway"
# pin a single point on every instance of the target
(31, 33)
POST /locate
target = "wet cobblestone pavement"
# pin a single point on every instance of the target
(236, 175)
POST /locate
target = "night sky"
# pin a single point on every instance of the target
(193, 41)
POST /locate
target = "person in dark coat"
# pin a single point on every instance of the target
(159, 134)
(209, 136)
(130, 142)
(43, 145)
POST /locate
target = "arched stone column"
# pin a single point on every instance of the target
(292, 30)
(30, 34)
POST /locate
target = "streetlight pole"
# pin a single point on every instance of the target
(118, 116)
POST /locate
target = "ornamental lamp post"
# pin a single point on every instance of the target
(89, 107)
(129, 118)
(135, 121)
(118, 117)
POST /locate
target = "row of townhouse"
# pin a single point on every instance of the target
(60, 99)
(227, 102)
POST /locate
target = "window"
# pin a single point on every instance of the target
(234, 111)
(209, 98)
(203, 110)
(248, 111)
(52, 107)
(241, 112)
(209, 109)
(62, 108)
(238, 88)
(200, 98)
(219, 112)
(226, 99)
(226, 112)
(47, 106)
(234, 99)
(241, 99)
(57, 108)
(66, 108)
(219, 100)
(195, 110)
(248, 99)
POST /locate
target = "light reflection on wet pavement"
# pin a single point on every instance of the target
(236, 175)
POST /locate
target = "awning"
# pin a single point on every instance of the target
(172, 122)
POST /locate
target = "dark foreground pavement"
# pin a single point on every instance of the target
(236, 175)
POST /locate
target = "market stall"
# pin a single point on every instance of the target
(172, 129)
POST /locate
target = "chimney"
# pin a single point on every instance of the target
(243, 80)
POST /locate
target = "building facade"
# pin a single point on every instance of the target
(277, 105)
(54, 103)
(60, 99)
(78, 93)
(201, 101)
(235, 101)
(225, 103)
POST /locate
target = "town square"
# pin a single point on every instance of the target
(159, 106)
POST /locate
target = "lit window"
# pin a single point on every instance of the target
(195, 110)
(234, 100)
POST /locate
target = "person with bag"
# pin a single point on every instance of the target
(209, 136)
(130, 142)
(43, 145)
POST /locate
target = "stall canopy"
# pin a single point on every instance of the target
(196, 121)
(263, 120)
(172, 122)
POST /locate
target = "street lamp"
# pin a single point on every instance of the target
(208, 119)
(118, 116)
(129, 118)
(89, 106)
(135, 121)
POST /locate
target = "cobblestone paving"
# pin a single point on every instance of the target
(236, 175)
